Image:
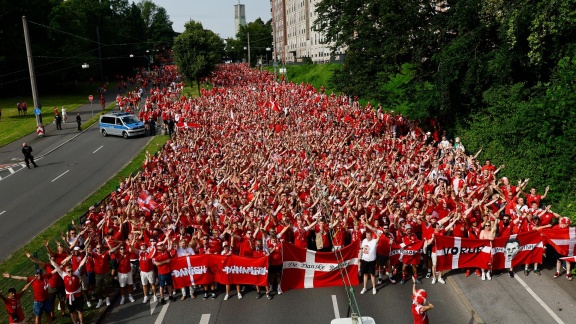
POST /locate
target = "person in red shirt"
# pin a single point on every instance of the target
(55, 283)
(146, 270)
(301, 233)
(162, 259)
(409, 238)
(564, 222)
(102, 272)
(40, 286)
(13, 305)
(73, 287)
(125, 278)
(259, 251)
(419, 310)
(275, 260)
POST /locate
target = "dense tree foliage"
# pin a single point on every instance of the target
(499, 73)
(260, 39)
(197, 51)
(64, 35)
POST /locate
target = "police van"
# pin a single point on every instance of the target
(121, 124)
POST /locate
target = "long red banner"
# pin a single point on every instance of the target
(208, 268)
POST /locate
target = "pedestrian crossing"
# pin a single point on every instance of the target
(7, 170)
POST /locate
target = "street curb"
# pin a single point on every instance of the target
(475, 317)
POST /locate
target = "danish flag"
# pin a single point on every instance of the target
(562, 239)
(456, 252)
(304, 268)
(146, 202)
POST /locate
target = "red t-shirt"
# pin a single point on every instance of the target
(163, 256)
(40, 288)
(275, 254)
(124, 265)
(419, 317)
(101, 265)
(13, 306)
(145, 260)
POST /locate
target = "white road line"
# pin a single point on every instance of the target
(60, 175)
(2, 212)
(152, 307)
(335, 304)
(163, 311)
(205, 319)
(98, 149)
(11, 170)
(554, 316)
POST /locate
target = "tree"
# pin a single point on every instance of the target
(260, 39)
(197, 51)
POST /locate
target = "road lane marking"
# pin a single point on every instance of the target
(205, 319)
(2, 212)
(152, 307)
(98, 149)
(335, 304)
(11, 170)
(540, 301)
(163, 311)
(60, 175)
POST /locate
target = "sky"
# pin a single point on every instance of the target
(215, 15)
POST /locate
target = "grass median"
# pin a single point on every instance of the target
(18, 264)
(14, 126)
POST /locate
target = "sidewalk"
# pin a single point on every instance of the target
(11, 158)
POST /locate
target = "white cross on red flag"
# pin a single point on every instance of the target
(562, 239)
(304, 268)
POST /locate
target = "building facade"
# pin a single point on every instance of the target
(239, 16)
(294, 39)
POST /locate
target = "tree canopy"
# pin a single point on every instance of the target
(497, 72)
(197, 51)
(64, 35)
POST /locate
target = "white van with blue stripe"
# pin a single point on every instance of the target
(121, 124)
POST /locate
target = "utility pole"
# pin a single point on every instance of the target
(32, 73)
(248, 49)
(100, 56)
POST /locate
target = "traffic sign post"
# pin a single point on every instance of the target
(91, 98)
(39, 126)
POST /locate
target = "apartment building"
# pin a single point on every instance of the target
(294, 39)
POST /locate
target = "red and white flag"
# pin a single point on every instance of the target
(304, 268)
(191, 270)
(237, 270)
(517, 249)
(409, 254)
(569, 259)
(457, 252)
(146, 202)
(562, 239)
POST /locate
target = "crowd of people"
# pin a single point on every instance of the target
(254, 162)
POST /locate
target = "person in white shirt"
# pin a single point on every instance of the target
(367, 258)
(183, 250)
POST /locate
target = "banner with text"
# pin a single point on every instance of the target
(517, 249)
(457, 252)
(304, 268)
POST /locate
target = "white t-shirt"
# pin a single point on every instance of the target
(369, 249)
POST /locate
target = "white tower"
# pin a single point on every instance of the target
(239, 16)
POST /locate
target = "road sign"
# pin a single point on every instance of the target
(40, 130)
(37, 111)
(90, 97)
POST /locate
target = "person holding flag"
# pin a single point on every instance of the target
(419, 310)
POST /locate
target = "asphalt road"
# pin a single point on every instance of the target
(392, 304)
(71, 168)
